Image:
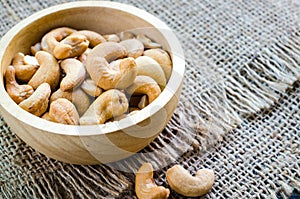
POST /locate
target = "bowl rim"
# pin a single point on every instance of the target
(174, 83)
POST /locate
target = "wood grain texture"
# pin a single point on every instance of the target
(96, 143)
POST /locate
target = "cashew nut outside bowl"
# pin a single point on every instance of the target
(91, 144)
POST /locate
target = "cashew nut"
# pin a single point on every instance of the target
(91, 88)
(52, 38)
(149, 67)
(105, 76)
(181, 181)
(71, 46)
(134, 47)
(148, 43)
(94, 38)
(143, 102)
(144, 85)
(64, 112)
(49, 71)
(75, 74)
(109, 104)
(17, 92)
(83, 56)
(37, 103)
(145, 187)
(35, 48)
(77, 97)
(24, 70)
(112, 38)
(126, 35)
(46, 116)
(163, 58)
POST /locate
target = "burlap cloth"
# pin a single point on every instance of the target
(239, 112)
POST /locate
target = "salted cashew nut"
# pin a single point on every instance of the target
(143, 102)
(148, 43)
(49, 71)
(71, 46)
(144, 85)
(25, 66)
(105, 76)
(163, 58)
(75, 74)
(134, 47)
(79, 98)
(35, 48)
(112, 38)
(94, 38)
(52, 38)
(109, 104)
(149, 67)
(64, 112)
(17, 92)
(181, 181)
(145, 187)
(37, 103)
(91, 88)
(126, 35)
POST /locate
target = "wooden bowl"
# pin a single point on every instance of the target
(91, 144)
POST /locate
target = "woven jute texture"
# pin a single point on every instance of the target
(238, 114)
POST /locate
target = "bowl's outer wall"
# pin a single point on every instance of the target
(74, 148)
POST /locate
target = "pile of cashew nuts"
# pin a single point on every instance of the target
(179, 180)
(80, 77)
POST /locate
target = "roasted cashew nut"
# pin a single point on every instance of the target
(163, 58)
(143, 102)
(134, 47)
(148, 43)
(35, 48)
(37, 103)
(24, 69)
(48, 72)
(145, 187)
(126, 35)
(71, 46)
(94, 38)
(75, 74)
(149, 67)
(144, 85)
(105, 76)
(17, 92)
(112, 38)
(52, 38)
(109, 104)
(91, 88)
(64, 112)
(181, 181)
(77, 97)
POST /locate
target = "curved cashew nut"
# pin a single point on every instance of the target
(144, 85)
(112, 38)
(109, 104)
(71, 46)
(84, 55)
(149, 67)
(77, 97)
(94, 38)
(181, 181)
(148, 43)
(75, 74)
(163, 58)
(17, 92)
(91, 88)
(52, 38)
(37, 103)
(49, 71)
(108, 77)
(25, 66)
(143, 102)
(64, 112)
(134, 47)
(35, 48)
(145, 186)
(126, 35)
